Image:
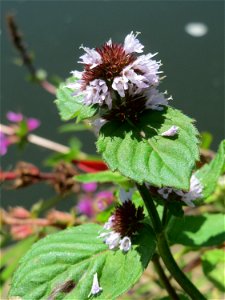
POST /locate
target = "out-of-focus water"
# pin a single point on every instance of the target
(189, 36)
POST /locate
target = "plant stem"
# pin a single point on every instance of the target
(163, 247)
(157, 226)
(165, 281)
(164, 217)
(42, 142)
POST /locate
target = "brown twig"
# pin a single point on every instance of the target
(15, 221)
(17, 39)
(192, 264)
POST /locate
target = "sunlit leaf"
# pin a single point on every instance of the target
(209, 173)
(197, 231)
(72, 257)
(103, 177)
(70, 106)
(11, 256)
(139, 151)
(213, 263)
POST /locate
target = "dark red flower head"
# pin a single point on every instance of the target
(127, 218)
(113, 60)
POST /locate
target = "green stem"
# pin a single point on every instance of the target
(157, 226)
(165, 281)
(163, 247)
(165, 216)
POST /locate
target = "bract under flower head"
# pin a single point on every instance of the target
(114, 71)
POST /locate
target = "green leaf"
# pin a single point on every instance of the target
(176, 209)
(197, 231)
(74, 256)
(74, 151)
(209, 173)
(73, 127)
(10, 258)
(102, 177)
(70, 106)
(140, 153)
(206, 140)
(213, 267)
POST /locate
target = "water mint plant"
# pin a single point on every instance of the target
(151, 153)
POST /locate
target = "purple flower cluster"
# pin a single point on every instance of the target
(16, 119)
(118, 71)
(92, 203)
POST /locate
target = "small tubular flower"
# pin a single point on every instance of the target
(125, 244)
(194, 193)
(95, 289)
(92, 57)
(113, 240)
(131, 44)
(155, 99)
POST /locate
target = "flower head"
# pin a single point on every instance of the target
(127, 219)
(123, 223)
(114, 75)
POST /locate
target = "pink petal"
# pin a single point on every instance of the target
(33, 123)
(14, 117)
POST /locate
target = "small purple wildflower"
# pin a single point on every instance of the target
(89, 187)
(104, 199)
(85, 206)
(14, 117)
(32, 124)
